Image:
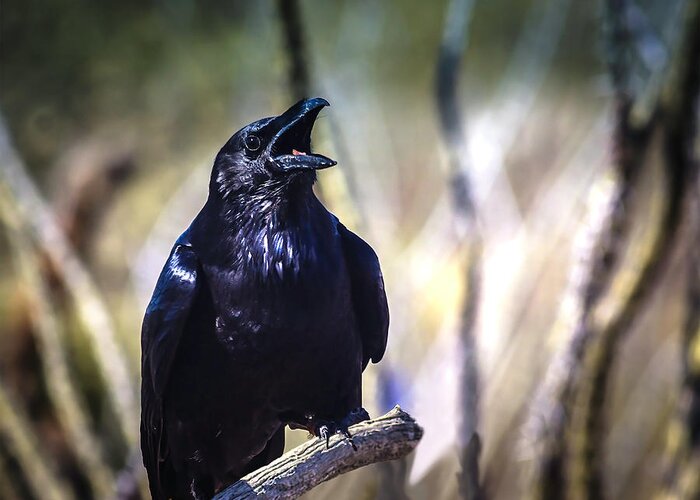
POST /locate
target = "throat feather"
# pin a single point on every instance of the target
(272, 250)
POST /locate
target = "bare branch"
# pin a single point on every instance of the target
(599, 245)
(70, 408)
(679, 119)
(446, 93)
(389, 437)
(301, 85)
(298, 70)
(38, 470)
(47, 235)
(449, 111)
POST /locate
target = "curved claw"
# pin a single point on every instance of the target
(324, 433)
(346, 432)
(325, 428)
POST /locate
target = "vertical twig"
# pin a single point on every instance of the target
(9, 489)
(452, 125)
(298, 68)
(599, 246)
(41, 225)
(40, 477)
(681, 479)
(70, 410)
(299, 77)
(679, 119)
(688, 479)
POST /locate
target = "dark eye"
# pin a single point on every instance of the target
(252, 143)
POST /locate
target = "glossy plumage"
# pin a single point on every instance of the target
(265, 314)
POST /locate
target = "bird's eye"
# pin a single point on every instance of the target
(252, 143)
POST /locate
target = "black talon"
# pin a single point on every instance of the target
(324, 428)
(324, 433)
(347, 434)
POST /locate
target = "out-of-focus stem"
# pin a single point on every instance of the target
(680, 115)
(21, 441)
(681, 478)
(300, 83)
(8, 486)
(600, 245)
(293, 29)
(70, 410)
(679, 109)
(37, 219)
(454, 41)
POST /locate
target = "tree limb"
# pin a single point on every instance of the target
(389, 437)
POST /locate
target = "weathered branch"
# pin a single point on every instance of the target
(389, 437)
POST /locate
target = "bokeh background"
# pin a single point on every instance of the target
(556, 128)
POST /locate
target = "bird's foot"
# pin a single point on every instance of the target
(324, 429)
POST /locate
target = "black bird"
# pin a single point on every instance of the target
(266, 313)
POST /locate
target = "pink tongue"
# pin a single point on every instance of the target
(297, 153)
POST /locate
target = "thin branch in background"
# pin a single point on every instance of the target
(578, 169)
(452, 49)
(9, 487)
(300, 82)
(682, 460)
(70, 410)
(689, 480)
(449, 111)
(297, 69)
(21, 441)
(392, 475)
(37, 219)
(389, 437)
(599, 247)
(679, 120)
(683, 478)
(643, 107)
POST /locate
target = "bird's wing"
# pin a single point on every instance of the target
(162, 329)
(369, 298)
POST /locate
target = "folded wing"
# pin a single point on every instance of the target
(162, 329)
(369, 298)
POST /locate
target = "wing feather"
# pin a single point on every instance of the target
(369, 298)
(162, 329)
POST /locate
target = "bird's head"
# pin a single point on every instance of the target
(271, 152)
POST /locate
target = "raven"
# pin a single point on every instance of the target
(266, 313)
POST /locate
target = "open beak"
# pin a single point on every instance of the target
(290, 148)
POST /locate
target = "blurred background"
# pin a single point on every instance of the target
(525, 170)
